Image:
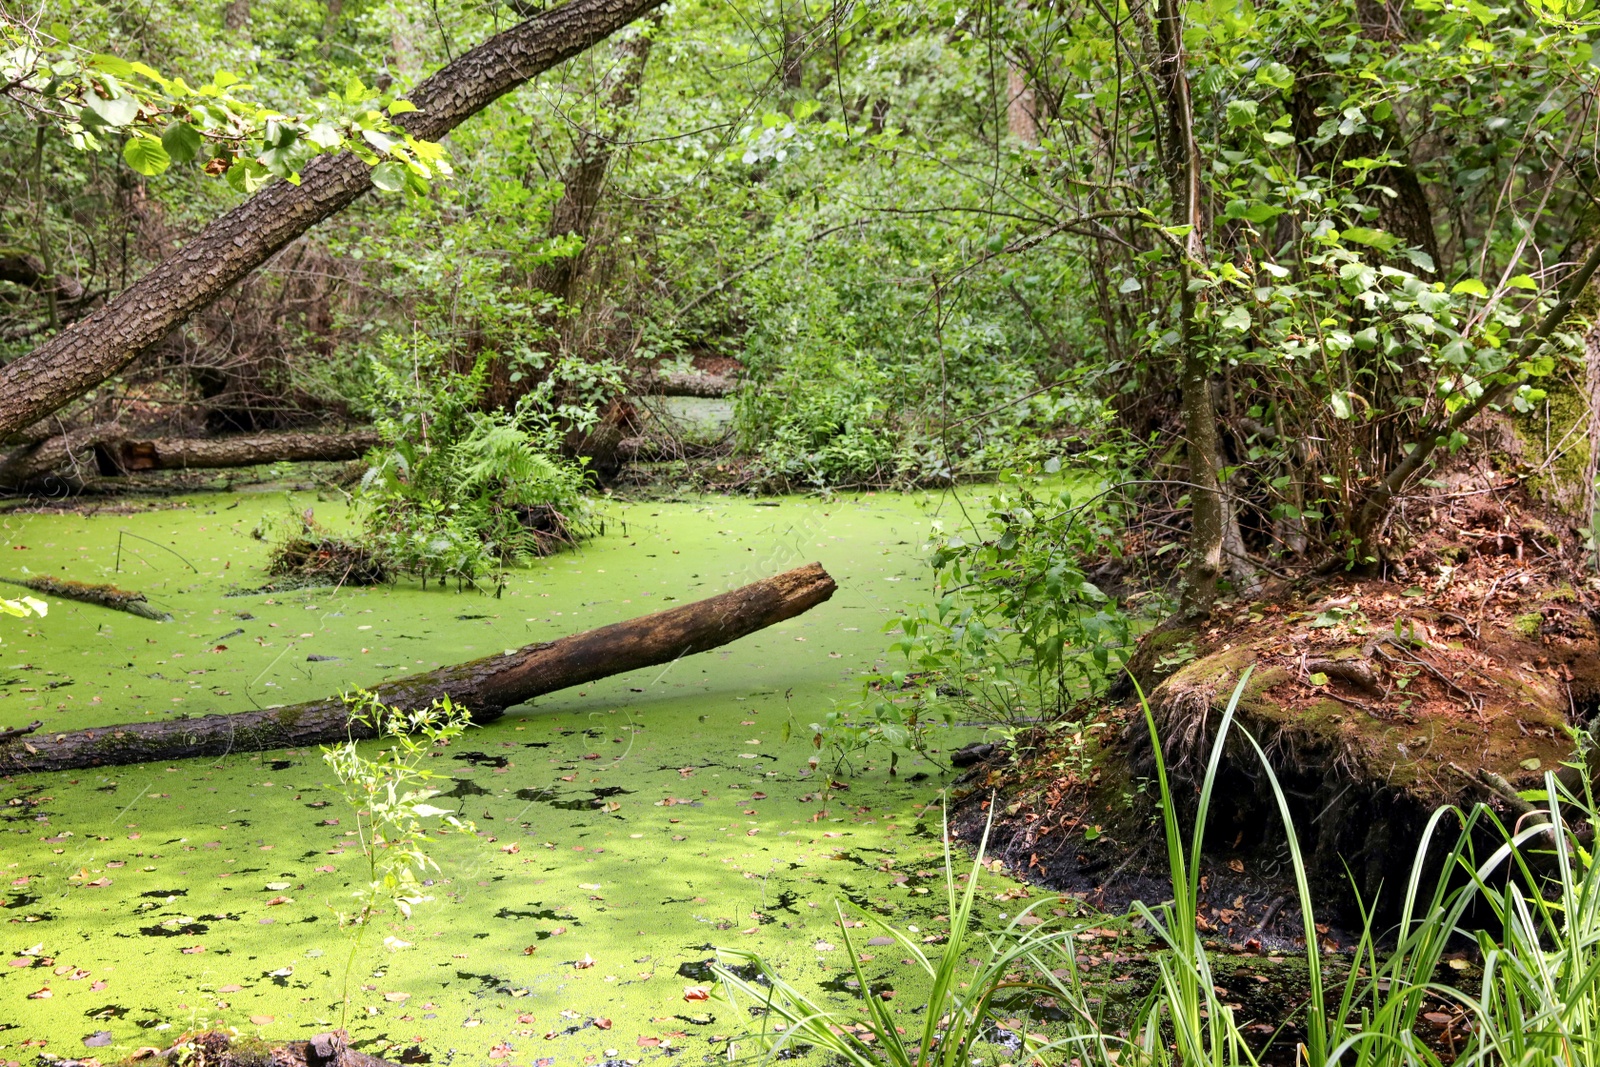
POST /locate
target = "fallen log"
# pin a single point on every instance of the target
(686, 383)
(105, 450)
(486, 687)
(247, 450)
(105, 596)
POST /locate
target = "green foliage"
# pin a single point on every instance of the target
(456, 492)
(1538, 1002)
(95, 98)
(389, 793)
(962, 1007)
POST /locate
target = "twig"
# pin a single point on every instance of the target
(11, 732)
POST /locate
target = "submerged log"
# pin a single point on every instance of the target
(486, 687)
(105, 596)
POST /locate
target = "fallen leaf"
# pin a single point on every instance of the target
(98, 1039)
(41, 994)
(275, 901)
(396, 998)
(648, 1042)
(511, 849)
(603, 1023)
(585, 963)
(261, 1020)
(696, 992)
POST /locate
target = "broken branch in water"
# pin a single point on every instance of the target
(486, 686)
(106, 596)
(19, 731)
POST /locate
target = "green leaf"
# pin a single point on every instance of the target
(400, 107)
(1318, 679)
(1339, 401)
(1129, 285)
(146, 155)
(1365, 235)
(115, 66)
(1280, 138)
(1242, 112)
(118, 112)
(182, 142)
(246, 175)
(1275, 75)
(1237, 319)
(222, 79)
(1470, 285)
(390, 177)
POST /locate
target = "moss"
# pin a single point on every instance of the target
(1528, 625)
(1563, 594)
(1563, 418)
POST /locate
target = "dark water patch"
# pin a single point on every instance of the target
(697, 1020)
(21, 900)
(414, 1054)
(794, 1052)
(109, 1011)
(610, 791)
(194, 929)
(699, 971)
(469, 618)
(487, 983)
(787, 900)
(466, 787)
(536, 744)
(546, 914)
(280, 764)
(109, 787)
(482, 759)
(154, 893)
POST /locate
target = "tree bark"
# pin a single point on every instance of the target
(486, 687)
(105, 450)
(1209, 513)
(685, 383)
(101, 344)
(584, 177)
(184, 453)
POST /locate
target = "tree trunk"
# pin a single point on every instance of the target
(585, 175)
(104, 450)
(185, 453)
(485, 686)
(685, 383)
(236, 15)
(1208, 511)
(99, 345)
(1022, 114)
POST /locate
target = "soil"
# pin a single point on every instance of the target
(1453, 676)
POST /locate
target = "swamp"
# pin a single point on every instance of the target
(1051, 534)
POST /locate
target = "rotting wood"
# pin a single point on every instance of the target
(686, 383)
(107, 450)
(105, 596)
(247, 450)
(486, 687)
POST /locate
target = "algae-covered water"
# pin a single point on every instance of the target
(626, 829)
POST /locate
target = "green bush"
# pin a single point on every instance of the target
(457, 493)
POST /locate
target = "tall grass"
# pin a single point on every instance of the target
(1538, 1003)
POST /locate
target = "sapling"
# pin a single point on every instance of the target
(389, 792)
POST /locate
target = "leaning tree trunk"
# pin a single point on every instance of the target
(100, 345)
(584, 177)
(486, 687)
